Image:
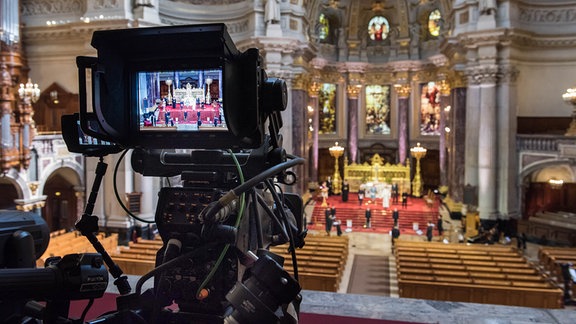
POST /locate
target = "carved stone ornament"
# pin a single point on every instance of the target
(488, 74)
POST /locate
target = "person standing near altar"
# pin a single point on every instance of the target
(345, 191)
(404, 200)
(395, 216)
(430, 231)
(395, 193)
(368, 216)
(440, 226)
(395, 234)
(329, 220)
(360, 195)
(386, 195)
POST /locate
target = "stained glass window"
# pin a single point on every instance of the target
(434, 22)
(327, 108)
(378, 28)
(430, 109)
(323, 27)
(377, 109)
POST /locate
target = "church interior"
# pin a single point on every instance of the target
(432, 142)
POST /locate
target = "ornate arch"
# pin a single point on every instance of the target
(55, 166)
(19, 183)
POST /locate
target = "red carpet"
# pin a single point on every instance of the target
(108, 303)
(417, 211)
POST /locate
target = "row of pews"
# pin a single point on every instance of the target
(321, 261)
(63, 242)
(138, 258)
(487, 274)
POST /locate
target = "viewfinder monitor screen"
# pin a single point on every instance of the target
(181, 101)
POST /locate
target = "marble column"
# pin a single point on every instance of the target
(509, 190)
(472, 133)
(313, 90)
(352, 130)
(299, 131)
(403, 92)
(445, 101)
(457, 145)
(117, 217)
(487, 144)
(128, 173)
(80, 198)
(148, 199)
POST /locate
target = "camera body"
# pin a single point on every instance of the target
(191, 104)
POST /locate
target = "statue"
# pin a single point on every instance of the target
(488, 7)
(272, 12)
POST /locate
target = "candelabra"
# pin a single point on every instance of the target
(169, 84)
(417, 152)
(28, 93)
(336, 152)
(570, 98)
(208, 97)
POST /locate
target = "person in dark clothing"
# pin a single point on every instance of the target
(404, 200)
(429, 231)
(330, 187)
(395, 215)
(368, 216)
(439, 225)
(345, 191)
(329, 220)
(395, 193)
(395, 234)
(360, 196)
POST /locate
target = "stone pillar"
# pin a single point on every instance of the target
(472, 133)
(403, 92)
(299, 131)
(149, 197)
(313, 90)
(116, 216)
(445, 101)
(457, 145)
(80, 198)
(352, 131)
(128, 173)
(487, 144)
(508, 193)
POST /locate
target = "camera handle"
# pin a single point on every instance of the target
(88, 225)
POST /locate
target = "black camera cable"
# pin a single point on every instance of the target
(284, 218)
(118, 195)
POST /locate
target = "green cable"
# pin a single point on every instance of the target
(238, 219)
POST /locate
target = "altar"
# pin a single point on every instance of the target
(376, 177)
(189, 113)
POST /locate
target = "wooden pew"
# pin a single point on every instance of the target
(461, 267)
(320, 262)
(477, 293)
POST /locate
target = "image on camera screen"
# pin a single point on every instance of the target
(183, 100)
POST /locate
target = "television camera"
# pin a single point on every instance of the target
(190, 104)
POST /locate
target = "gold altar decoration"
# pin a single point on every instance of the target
(570, 98)
(376, 171)
(417, 152)
(336, 152)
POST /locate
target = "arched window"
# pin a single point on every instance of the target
(378, 28)
(434, 23)
(323, 27)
